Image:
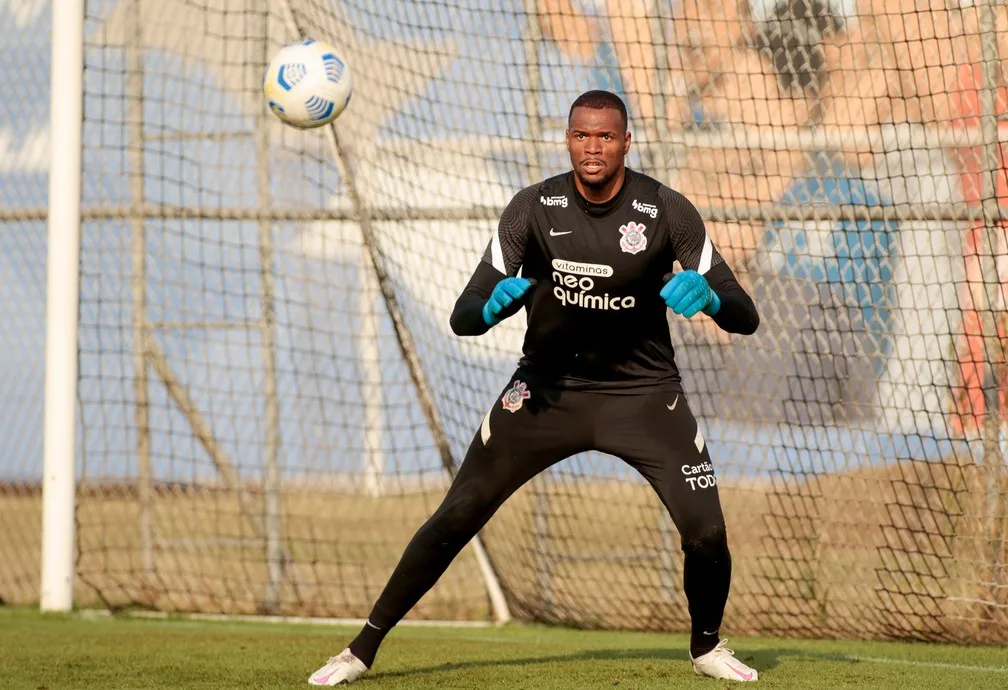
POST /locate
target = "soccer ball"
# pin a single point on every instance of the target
(308, 84)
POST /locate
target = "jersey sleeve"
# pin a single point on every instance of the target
(691, 244)
(506, 249)
(503, 257)
(693, 248)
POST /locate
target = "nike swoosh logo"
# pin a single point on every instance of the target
(554, 233)
(743, 676)
(672, 407)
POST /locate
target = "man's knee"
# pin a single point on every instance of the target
(463, 510)
(708, 539)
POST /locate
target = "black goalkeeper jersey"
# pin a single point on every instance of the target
(595, 316)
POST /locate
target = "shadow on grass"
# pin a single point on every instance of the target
(761, 660)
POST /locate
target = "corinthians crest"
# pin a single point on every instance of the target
(633, 239)
(514, 396)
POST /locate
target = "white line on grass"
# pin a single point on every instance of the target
(236, 618)
(911, 662)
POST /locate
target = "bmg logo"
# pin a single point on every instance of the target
(646, 209)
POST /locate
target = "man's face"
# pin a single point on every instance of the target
(597, 142)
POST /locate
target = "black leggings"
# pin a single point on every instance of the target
(532, 426)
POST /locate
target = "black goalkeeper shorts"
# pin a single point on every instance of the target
(533, 425)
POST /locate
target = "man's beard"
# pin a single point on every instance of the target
(597, 183)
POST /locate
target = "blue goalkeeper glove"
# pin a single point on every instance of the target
(688, 293)
(503, 296)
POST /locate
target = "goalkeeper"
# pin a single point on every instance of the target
(595, 248)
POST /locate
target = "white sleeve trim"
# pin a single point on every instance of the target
(496, 253)
(706, 255)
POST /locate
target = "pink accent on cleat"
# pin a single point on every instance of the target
(721, 663)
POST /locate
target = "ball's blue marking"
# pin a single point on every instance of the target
(319, 108)
(334, 67)
(290, 74)
(278, 110)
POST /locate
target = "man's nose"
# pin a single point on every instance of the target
(593, 145)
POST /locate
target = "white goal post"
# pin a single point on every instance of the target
(62, 301)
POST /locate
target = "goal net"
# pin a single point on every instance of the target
(272, 401)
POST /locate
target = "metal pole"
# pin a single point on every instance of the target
(138, 283)
(993, 457)
(950, 212)
(62, 299)
(533, 83)
(271, 405)
(661, 160)
(531, 40)
(658, 131)
(371, 386)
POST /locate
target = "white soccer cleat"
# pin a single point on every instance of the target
(342, 669)
(720, 662)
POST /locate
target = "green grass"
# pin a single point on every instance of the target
(55, 652)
